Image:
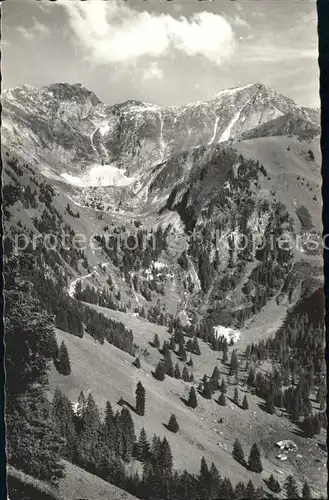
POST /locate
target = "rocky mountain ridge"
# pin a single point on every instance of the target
(73, 136)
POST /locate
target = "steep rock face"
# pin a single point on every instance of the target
(66, 129)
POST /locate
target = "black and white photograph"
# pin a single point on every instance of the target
(163, 250)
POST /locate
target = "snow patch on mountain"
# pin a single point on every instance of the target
(215, 131)
(228, 333)
(226, 135)
(101, 176)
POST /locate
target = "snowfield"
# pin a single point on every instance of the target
(100, 175)
(228, 333)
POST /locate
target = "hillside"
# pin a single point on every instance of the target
(108, 373)
(77, 485)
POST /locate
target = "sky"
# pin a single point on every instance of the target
(160, 51)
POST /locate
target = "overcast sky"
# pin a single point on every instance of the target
(160, 51)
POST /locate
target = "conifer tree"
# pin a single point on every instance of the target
(185, 375)
(245, 405)
(269, 406)
(177, 371)
(206, 390)
(165, 457)
(189, 345)
(165, 350)
(234, 363)
(169, 366)
(204, 477)
(290, 487)
(316, 424)
(223, 387)
(143, 447)
(172, 344)
(63, 365)
(137, 363)
(196, 348)
(226, 490)
(214, 379)
(127, 434)
(273, 484)
(140, 399)
(225, 351)
(250, 491)
(190, 361)
(222, 399)
(181, 352)
(160, 371)
(173, 424)
(308, 426)
(238, 452)
(239, 491)
(306, 491)
(64, 418)
(214, 481)
(236, 396)
(192, 400)
(109, 430)
(254, 461)
(191, 378)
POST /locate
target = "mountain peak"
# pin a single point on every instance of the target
(68, 92)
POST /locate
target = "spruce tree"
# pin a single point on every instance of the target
(169, 366)
(238, 452)
(63, 365)
(173, 424)
(137, 363)
(273, 484)
(306, 491)
(196, 348)
(236, 396)
(177, 371)
(250, 491)
(191, 378)
(143, 447)
(245, 405)
(316, 424)
(165, 457)
(223, 387)
(192, 400)
(308, 427)
(269, 405)
(214, 481)
(140, 399)
(225, 351)
(204, 478)
(172, 344)
(254, 461)
(239, 491)
(291, 488)
(181, 352)
(160, 371)
(190, 361)
(64, 418)
(206, 390)
(234, 363)
(165, 350)
(215, 376)
(185, 375)
(226, 490)
(127, 432)
(156, 341)
(222, 399)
